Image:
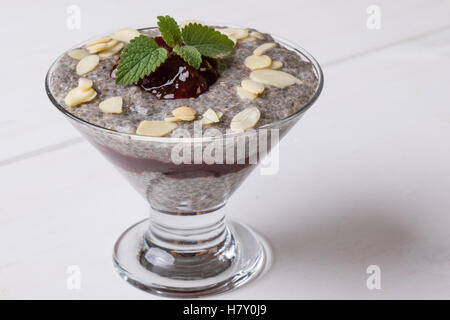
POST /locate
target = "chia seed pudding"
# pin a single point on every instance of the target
(146, 162)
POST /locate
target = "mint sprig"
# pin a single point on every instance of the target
(209, 42)
(169, 30)
(189, 54)
(142, 55)
(139, 58)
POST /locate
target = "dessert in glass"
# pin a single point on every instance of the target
(185, 125)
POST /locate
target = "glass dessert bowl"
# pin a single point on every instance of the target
(186, 248)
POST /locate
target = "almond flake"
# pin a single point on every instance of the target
(155, 128)
(207, 121)
(186, 118)
(78, 96)
(236, 33)
(210, 114)
(244, 94)
(78, 54)
(276, 65)
(111, 105)
(92, 96)
(274, 78)
(85, 83)
(263, 48)
(245, 119)
(102, 46)
(87, 64)
(171, 119)
(257, 35)
(248, 39)
(125, 35)
(102, 40)
(257, 62)
(112, 51)
(96, 48)
(252, 86)
(184, 113)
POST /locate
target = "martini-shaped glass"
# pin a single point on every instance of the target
(187, 248)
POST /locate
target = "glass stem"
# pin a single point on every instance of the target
(196, 245)
(187, 233)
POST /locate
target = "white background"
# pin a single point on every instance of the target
(364, 178)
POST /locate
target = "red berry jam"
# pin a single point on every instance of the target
(176, 79)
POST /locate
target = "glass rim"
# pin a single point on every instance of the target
(287, 44)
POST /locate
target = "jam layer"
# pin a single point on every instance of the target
(176, 79)
(180, 171)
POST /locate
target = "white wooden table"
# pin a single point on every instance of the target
(364, 179)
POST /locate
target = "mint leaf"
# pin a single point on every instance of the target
(139, 58)
(190, 55)
(206, 40)
(169, 30)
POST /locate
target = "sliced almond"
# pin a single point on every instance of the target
(263, 48)
(96, 47)
(111, 44)
(276, 65)
(244, 94)
(257, 62)
(78, 54)
(257, 35)
(245, 119)
(92, 96)
(171, 119)
(274, 78)
(208, 121)
(155, 128)
(125, 35)
(78, 96)
(210, 114)
(87, 64)
(252, 86)
(106, 54)
(184, 113)
(111, 105)
(102, 40)
(85, 83)
(248, 39)
(236, 33)
(102, 46)
(186, 118)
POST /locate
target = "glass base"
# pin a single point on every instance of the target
(241, 256)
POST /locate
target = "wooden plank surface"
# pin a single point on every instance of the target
(363, 179)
